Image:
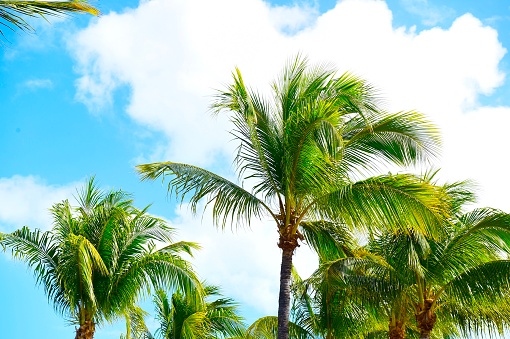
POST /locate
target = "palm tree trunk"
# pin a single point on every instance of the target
(396, 330)
(425, 318)
(86, 330)
(284, 298)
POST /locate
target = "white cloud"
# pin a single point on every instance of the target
(35, 84)
(25, 200)
(431, 15)
(172, 54)
(293, 19)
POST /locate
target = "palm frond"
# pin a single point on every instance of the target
(484, 283)
(393, 202)
(402, 138)
(14, 12)
(136, 328)
(329, 240)
(181, 246)
(229, 200)
(41, 253)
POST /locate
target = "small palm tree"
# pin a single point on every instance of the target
(180, 317)
(101, 256)
(14, 12)
(307, 153)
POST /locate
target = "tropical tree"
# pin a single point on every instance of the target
(13, 13)
(458, 283)
(181, 318)
(101, 257)
(307, 154)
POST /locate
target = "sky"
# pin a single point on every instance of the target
(86, 96)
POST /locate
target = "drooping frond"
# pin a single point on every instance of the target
(224, 318)
(136, 328)
(181, 317)
(40, 252)
(230, 201)
(402, 138)
(480, 236)
(393, 202)
(330, 240)
(79, 259)
(181, 246)
(13, 13)
(163, 270)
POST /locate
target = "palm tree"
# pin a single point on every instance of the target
(100, 257)
(181, 319)
(307, 154)
(14, 12)
(459, 282)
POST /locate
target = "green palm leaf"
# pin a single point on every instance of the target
(13, 12)
(395, 202)
(229, 199)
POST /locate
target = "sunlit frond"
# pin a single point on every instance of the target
(13, 13)
(394, 202)
(402, 138)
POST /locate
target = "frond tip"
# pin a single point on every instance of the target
(12, 12)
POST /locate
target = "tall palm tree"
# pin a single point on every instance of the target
(307, 153)
(14, 12)
(101, 256)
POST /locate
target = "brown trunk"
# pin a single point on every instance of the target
(288, 245)
(425, 318)
(396, 330)
(86, 330)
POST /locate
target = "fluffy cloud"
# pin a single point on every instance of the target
(173, 54)
(26, 200)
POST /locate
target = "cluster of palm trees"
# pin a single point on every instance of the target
(310, 158)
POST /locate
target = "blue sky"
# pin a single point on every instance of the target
(96, 96)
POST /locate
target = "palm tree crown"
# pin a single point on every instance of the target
(181, 319)
(100, 257)
(303, 151)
